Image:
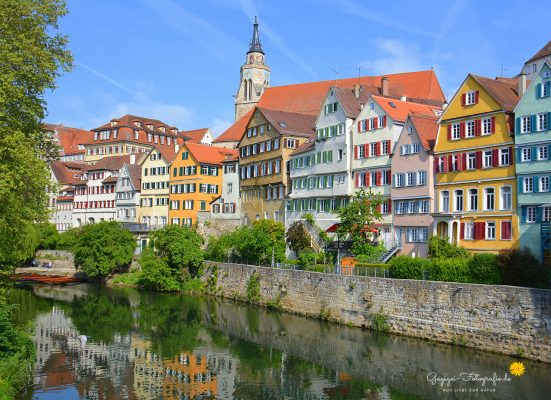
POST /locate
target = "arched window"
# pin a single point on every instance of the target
(250, 89)
(245, 86)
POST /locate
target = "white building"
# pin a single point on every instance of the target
(227, 208)
(127, 191)
(533, 65)
(95, 197)
(63, 175)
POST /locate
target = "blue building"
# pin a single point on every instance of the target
(533, 162)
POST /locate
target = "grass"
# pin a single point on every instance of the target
(127, 278)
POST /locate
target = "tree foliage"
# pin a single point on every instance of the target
(520, 267)
(296, 237)
(32, 56)
(441, 248)
(102, 248)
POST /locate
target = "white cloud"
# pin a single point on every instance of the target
(172, 114)
(217, 126)
(396, 57)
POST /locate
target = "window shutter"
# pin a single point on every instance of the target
(450, 132)
(378, 147)
(378, 178)
(463, 99)
(505, 229)
(375, 123)
(523, 214)
(462, 130)
(389, 205)
(478, 159)
(463, 161)
(511, 155)
(389, 144)
(436, 159)
(367, 179)
(535, 184)
(450, 163)
(495, 158)
(357, 179)
(477, 127)
(366, 150)
(476, 96)
(538, 90)
(444, 164)
(539, 210)
(493, 125)
(388, 174)
(378, 208)
(359, 126)
(533, 121)
(384, 121)
(517, 125)
(356, 152)
(533, 153)
(548, 84)
(462, 231)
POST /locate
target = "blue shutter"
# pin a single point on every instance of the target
(534, 154)
(548, 84)
(538, 90)
(520, 185)
(533, 121)
(518, 157)
(517, 126)
(538, 213)
(535, 184)
(523, 214)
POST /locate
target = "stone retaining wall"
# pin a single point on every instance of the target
(503, 319)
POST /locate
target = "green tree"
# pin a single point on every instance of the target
(520, 267)
(49, 236)
(357, 219)
(103, 248)
(33, 56)
(296, 237)
(441, 248)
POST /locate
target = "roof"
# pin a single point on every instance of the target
(65, 172)
(427, 129)
(205, 154)
(169, 152)
(128, 121)
(308, 98)
(110, 179)
(545, 51)
(113, 163)
(503, 90)
(351, 104)
(69, 138)
(195, 135)
(135, 174)
(308, 145)
(255, 46)
(236, 130)
(399, 110)
(287, 123)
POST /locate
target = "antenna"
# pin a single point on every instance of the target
(503, 69)
(336, 71)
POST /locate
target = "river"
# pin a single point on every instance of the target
(96, 342)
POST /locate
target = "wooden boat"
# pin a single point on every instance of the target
(44, 278)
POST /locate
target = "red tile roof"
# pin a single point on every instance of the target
(236, 130)
(503, 90)
(545, 51)
(69, 138)
(351, 104)
(195, 135)
(129, 120)
(114, 163)
(66, 173)
(399, 110)
(426, 128)
(308, 145)
(205, 154)
(287, 123)
(135, 174)
(307, 98)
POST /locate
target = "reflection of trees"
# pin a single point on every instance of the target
(28, 305)
(100, 317)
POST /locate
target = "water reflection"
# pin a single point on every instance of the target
(102, 343)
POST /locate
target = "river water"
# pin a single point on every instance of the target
(95, 342)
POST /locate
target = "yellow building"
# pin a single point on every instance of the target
(474, 166)
(264, 149)
(195, 181)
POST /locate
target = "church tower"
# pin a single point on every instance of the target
(255, 76)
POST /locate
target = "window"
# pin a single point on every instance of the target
(486, 126)
(416, 235)
(542, 153)
(505, 157)
(458, 200)
(544, 184)
(469, 231)
(506, 198)
(385, 147)
(526, 154)
(399, 180)
(469, 129)
(506, 230)
(445, 201)
(456, 131)
(490, 230)
(185, 155)
(203, 205)
(546, 214)
(340, 154)
(401, 207)
(542, 120)
(525, 124)
(489, 196)
(473, 199)
(544, 87)
(230, 187)
(424, 206)
(527, 185)
(421, 178)
(470, 98)
(410, 179)
(530, 214)
(471, 161)
(487, 159)
(413, 207)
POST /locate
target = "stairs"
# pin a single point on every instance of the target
(389, 253)
(313, 234)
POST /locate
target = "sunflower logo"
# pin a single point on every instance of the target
(516, 368)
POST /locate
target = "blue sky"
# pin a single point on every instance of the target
(179, 60)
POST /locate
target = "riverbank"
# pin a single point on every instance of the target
(501, 319)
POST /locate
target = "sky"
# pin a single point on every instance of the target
(179, 60)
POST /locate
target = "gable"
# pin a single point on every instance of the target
(531, 102)
(486, 103)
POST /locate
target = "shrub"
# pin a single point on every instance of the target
(49, 236)
(253, 288)
(450, 270)
(102, 248)
(404, 267)
(297, 238)
(441, 248)
(520, 267)
(156, 274)
(68, 239)
(483, 269)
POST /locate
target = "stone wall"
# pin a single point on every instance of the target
(503, 319)
(60, 259)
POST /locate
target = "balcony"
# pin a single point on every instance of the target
(136, 227)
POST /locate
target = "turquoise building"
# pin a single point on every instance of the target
(533, 162)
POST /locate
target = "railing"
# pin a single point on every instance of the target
(322, 269)
(136, 227)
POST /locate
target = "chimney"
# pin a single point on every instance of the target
(403, 98)
(384, 86)
(132, 158)
(357, 91)
(176, 146)
(521, 84)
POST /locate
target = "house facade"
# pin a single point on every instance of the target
(64, 175)
(533, 164)
(474, 166)
(412, 189)
(374, 135)
(532, 67)
(127, 193)
(227, 207)
(266, 146)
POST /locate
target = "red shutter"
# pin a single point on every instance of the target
(389, 146)
(389, 204)
(444, 164)
(378, 178)
(375, 123)
(479, 230)
(476, 94)
(366, 151)
(367, 125)
(357, 179)
(388, 176)
(479, 159)
(464, 161)
(511, 155)
(379, 208)
(462, 231)
(384, 121)
(367, 179)
(463, 99)
(506, 230)
(378, 147)
(356, 152)
(450, 163)
(450, 132)
(436, 159)
(459, 162)
(495, 158)
(462, 130)
(359, 126)
(493, 125)
(477, 127)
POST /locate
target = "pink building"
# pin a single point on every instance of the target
(412, 189)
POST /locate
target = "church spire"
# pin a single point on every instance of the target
(255, 46)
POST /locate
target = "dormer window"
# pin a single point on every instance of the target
(136, 134)
(371, 106)
(138, 124)
(156, 138)
(162, 128)
(174, 131)
(95, 136)
(168, 140)
(162, 139)
(149, 126)
(149, 137)
(115, 133)
(113, 123)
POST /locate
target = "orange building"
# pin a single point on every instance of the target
(188, 376)
(195, 181)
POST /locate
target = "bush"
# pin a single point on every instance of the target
(102, 248)
(49, 236)
(297, 237)
(68, 239)
(404, 267)
(441, 248)
(156, 273)
(483, 269)
(520, 267)
(450, 270)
